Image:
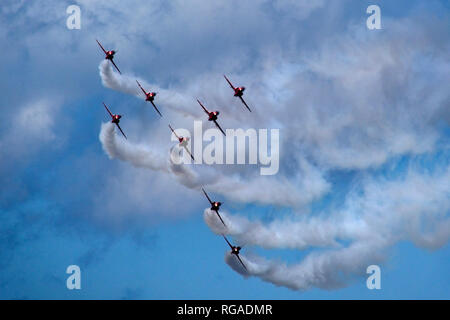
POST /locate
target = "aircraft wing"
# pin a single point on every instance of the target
(121, 130)
(108, 110)
(141, 88)
(228, 242)
(192, 157)
(174, 132)
(217, 211)
(219, 127)
(243, 101)
(228, 82)
(207, 112)
(101, 46)
(156, 109)
(241, 262)
(112, 61)
(207, 197)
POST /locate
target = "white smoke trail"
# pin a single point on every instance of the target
(260, 189)
(127, 84)
(355, 115)
(138, 156)
(309, 183)
(350, 239)
(384, 214)
(327, 270)
(286, 233)
(234, 263)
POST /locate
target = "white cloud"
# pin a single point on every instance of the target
(299, 9)
(32, 128)
(36, 121)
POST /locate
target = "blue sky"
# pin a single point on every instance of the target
(364, 126)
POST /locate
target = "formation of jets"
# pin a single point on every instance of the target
(215, 206)
(183, 141)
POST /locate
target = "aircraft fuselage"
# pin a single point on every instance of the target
(110, 55)
(216, 205)
(213, 115)
(238, 92)
(150, 96)
(235, 250)
(183, 141)
(116, 118)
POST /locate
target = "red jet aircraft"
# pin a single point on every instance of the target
(212, 116)
(238, 92)
(109, 55)
(214, 206)
(115, 119)
(183, 142)
(149, 96)
(235, 251)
